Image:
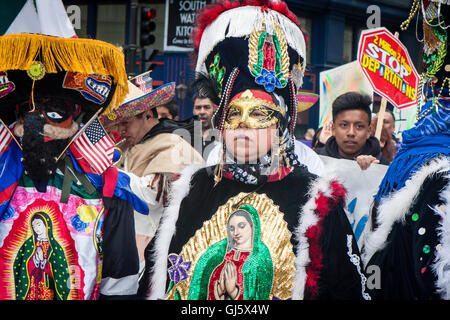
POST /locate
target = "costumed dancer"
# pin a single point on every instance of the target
(66, 215)
(258, 225)
(410, 238)
(155, 156)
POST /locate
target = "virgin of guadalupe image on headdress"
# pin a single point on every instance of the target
(39, 255)
(238, 267)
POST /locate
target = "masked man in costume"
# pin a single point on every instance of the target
(66, 215)
(156, 155)
(409, 243)
(292, 239)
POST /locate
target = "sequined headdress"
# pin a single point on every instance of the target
(253, 50)
(435, 79)
(251, 45)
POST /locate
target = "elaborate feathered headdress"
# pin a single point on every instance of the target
(256, 44)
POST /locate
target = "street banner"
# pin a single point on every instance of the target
(336, 81)
(386, 63)
(361, 185)
(179, 23)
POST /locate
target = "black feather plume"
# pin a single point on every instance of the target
(205, 87)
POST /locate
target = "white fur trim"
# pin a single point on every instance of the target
(441, 265)
(308, 218)
(394, 207)
(178, 190)
(240, 22)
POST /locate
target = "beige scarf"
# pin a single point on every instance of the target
(164, 153)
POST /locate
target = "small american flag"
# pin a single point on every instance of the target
(144, 82)
(95, 146)
(5, 137)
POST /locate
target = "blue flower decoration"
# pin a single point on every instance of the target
(178, 270)
(6, 212)
(269, 80)
(78, 224)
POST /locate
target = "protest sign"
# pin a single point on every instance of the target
(361, 185)
(387, 65)
(336, 81)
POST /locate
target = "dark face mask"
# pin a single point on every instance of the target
(39, 157)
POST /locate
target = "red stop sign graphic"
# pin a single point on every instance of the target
(386, 64)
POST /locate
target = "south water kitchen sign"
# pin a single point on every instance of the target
(386, 63)
(179, 23)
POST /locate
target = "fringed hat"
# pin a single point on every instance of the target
(429, 138)
(88, 73)
(256, 45)
(137, 102)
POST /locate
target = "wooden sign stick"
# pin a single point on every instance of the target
(382, 110)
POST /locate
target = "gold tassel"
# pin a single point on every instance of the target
(430, 39)
(32, 97)
(218, 172)
(87, 56)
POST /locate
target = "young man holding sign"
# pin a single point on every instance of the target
(351, 131)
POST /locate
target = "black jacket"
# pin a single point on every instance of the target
(372, 147)
(408, 256)
(166, 125)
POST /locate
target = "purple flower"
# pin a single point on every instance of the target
(269, 80)
(178, 270)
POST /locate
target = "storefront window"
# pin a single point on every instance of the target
(306, 24)
(111, 23)
(348, 44)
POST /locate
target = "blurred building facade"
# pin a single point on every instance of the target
(333, 28)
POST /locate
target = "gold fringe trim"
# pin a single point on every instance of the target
(87, 56)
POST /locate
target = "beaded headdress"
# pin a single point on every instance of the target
(434, 84)
(429, 138)
(250, 46)
(256, 44)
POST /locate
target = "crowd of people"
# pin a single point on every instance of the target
(106, 194)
